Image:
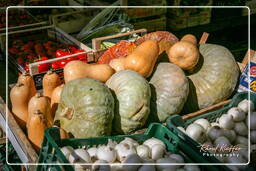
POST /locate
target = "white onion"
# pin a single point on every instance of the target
(132, 158)
(123, 150)
(245, 104)
(143, 151)
(191, 168)
(157, 151)
(214, 132)
(241, 128)
(196, 132)
(93, 153)
(106, 153)
(253, 136)
(129, 141)
(152, 141)
(241, 140)
(67, 150)
(237, 114)
(203, 122)
(230, 134)
(253, 121)
(177, 157)
(226, 122)
(166, 160)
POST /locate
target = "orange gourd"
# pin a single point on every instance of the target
(35, 129)
(51, 80)
(80, 69)
(56, 98)
(117, 64)
(42, 103)
(184, 54)
(143, 58)
(190, 38)
(27, 79)
(19, 96)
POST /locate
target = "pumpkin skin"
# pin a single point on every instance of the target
(214, 79)
(170, 89)
(86, 108)
(133, 95)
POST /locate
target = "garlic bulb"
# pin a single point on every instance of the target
(196, 132)
(96, 167)
(236, 113)
(177, 157)
(129, 141)
(147, 168)
(253, 121)
(214, 132)
(166, 161)
(79, 156)
(230, 134)
(253, 136)
(152, 141)
(222, 141)
(106, 153)
(246, 105)
(191, 168)
(237, 159)
(93, 153)
(182, 129)
(123, 150)
(157, 151)
(241, 128)
(132, 158)
(214, 124)
(111, 143)
(143, 151)
(204, 123)
(226, 122)
(67, 150)
(241, 140)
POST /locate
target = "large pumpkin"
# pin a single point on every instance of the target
(170, 89)
(133, 100)
(214, 78)
(86, 108)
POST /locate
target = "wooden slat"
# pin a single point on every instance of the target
(23, 141)
(205, 110)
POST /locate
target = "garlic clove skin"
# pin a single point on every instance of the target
(214, 132)
(177, 157)
(143, 151)
(237, 114)
(67, 150)
(123, 150)
(204, 123)
(93, 153)
(152, 141)
(106, 153)
(241, 129)
(196, 132)
(157, 151)
(226, 122)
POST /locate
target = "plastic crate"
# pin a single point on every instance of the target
(174, 121)
(51, 153)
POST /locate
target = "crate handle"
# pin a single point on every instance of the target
(97, 41)
(204, 38)
(205, 110)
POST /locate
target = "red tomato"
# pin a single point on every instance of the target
(59, 53)
(55, 65)
(62, 63)
(43, 67)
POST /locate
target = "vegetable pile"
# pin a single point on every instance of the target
(230, 130)
(128, 151)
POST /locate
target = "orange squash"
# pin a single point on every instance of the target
(80, 69)
(184, 54)
(27, 79)
(42, 103)
(56, 98)
(190, 38)
(19, 96)
(143, 58)
(35, 129)
(117, 64)
(51, 80)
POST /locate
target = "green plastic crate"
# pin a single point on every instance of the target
(51, 153)
(175, 121)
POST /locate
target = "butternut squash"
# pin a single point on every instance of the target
(55, 100)
(35, 129)
(117, 64)
(184, 54)
(190, 38)
(26, 78)
(20, 96)
(143, 58)
(80, 69)
(51, 80)
(42, 103)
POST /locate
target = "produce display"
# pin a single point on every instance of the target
(34, 51)
(126, 152)
(230, 130)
